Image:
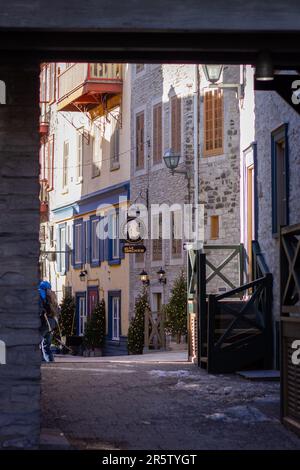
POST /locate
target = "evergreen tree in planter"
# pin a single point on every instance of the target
(67, 316)
(136, 327)
(176, 309)
(95, 328)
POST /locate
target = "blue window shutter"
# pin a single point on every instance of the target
(101, 240)
(109, 316)
(77, 314)
(58, 249)
(83, 251)
(89, 241)
(122, 255)
(67, 248)
(73, 246)
(110, 241)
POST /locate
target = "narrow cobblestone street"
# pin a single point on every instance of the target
(160, 406)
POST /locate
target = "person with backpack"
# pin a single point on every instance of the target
(48, 314)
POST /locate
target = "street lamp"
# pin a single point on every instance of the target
(171, 159)
(264, 70)
(162, 276)
(212, 72)
(144, 278)
(82, 275)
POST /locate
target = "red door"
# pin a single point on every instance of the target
(93, 297)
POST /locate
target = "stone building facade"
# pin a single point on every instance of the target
(218, 169)
(271, 113)
(85, 173)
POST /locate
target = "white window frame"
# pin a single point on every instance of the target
(65, 171)
(82, 314)
(115, 236)
(79, 162)
(115, 332)
(62, 245)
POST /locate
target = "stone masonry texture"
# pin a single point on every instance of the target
(271, 111)
(19, 252)
(218, 178)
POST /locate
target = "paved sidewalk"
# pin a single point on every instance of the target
(160, 406)
(160, 357)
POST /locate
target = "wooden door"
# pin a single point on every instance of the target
(93, 297)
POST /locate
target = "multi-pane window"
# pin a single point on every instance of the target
(115, 145)
(65, 163)
(115, 236)
(213, 122)
(176, 227)
(139, 140)
(279, 179)
(157, 237)
(115, 318)
(157, 133)
(82, 311)
(95, 245)
(62, 249)
(176, 124)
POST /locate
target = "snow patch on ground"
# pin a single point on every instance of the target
(245, 414)
(268, 399)
(170, 373)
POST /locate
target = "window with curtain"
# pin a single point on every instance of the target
(65, 164)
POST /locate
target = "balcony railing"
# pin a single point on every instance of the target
(84, 80)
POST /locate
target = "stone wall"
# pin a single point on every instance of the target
(220, 181)
(19, 253)
(218, 176)
(156, 84)
(271, 111)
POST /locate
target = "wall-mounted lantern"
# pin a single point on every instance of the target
(162, 276)
(82, 275)
(213, 75)
(144, 278)
(212, 72)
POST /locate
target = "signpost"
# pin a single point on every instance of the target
(133, 248)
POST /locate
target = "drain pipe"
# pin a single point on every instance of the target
(196, 135)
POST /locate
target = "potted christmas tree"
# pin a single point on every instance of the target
(176, 314)
(136, 332)
(66, 320)
(93, 340)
